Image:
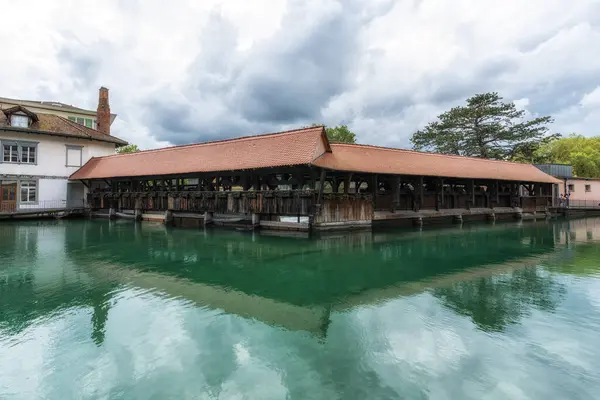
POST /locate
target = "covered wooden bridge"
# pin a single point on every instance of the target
(259, 179)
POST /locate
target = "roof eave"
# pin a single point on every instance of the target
(118, 142)
(175, 174)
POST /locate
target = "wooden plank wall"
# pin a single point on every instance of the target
(345, 208)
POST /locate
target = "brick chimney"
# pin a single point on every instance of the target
(103, 112)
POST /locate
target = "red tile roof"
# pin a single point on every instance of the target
(307, 146)
(382, 160)
(50, 124)
(297, 147)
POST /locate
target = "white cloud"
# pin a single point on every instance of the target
(222, 68)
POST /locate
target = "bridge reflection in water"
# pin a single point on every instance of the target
(487, 273)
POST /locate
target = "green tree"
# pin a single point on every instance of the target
(530, 152)
(486, 127)
(130, 148)
(497, 302)
(339, 134)
(576, 150)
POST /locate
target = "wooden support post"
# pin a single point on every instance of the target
(258, 187)
(313, 180)
(497, 192)
(373, 188)
(317, 207)
(138, 209)
(320, 193)
(471, 200)
(347, 180)
(419, 194)
(439, 194)
(395, 193)
(373, 185)
(520, 195)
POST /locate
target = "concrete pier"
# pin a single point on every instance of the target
(168, 217)
(255, 220)
(208, 218)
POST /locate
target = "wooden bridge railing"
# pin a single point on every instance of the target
(280, 202)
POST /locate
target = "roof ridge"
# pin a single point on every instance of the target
(428, 153)
(237, 139)
(49, 104)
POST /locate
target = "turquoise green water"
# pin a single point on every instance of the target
(113, 310)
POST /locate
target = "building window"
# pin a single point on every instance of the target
(28, 191)
(28, 154)
(94, 125)
(571, 187)
(88, 122)
(588, 188)
(21, 121)
(10, 153)
(74, 156)
(19, 152)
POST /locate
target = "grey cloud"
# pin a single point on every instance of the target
(451, 87)
(548, 98)
(295, 77)
(82, 62)
(288, 79)
(387, 107)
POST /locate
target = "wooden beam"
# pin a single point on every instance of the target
(471, 193)
(439, 194)
(347, 180)
(395, 192)
(321, 187)
(419, 194)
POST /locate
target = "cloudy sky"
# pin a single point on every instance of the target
(212, 69)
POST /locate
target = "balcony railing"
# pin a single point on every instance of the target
(591, 204)
(42, 205)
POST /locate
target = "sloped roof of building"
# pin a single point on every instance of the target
(297, 147)
(50, 124)
(309, 147)
(383, 160)
(53, 105)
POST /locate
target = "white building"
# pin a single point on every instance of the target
(40, 149)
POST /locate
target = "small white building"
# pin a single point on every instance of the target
(40, 150)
